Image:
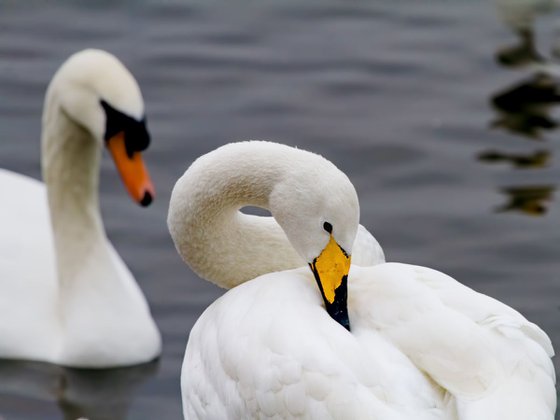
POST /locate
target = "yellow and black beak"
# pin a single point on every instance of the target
(132, 170)
(331, 269)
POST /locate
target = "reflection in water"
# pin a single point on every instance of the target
(525, 108)
(539, 159)
(521, 54)
(519, 16)
(95, 394)
(531, 200)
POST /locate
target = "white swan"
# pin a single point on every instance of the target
(421, 346)
(66, 296)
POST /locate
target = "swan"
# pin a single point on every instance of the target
(302, 333)
(66, 297)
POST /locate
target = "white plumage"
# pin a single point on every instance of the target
(66, 296)
(421, 346)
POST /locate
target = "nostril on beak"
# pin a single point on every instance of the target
(147, 199)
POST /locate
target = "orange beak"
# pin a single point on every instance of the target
(132, 170)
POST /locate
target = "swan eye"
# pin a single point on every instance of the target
(327, 226)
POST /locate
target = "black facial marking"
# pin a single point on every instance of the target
(136, 136)
(338, 310)
(327, 226)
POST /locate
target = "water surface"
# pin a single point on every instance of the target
(430, 107)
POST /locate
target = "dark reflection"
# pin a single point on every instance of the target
(538, 159)
(525, 109)
(95, 394)
(530, 200)
(520, 54)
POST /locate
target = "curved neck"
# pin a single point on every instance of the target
(220, 243)
(70, 164)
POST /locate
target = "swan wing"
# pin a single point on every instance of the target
(522, 347)
(366, 250)
(492, 361)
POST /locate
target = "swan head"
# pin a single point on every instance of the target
(98, 93)
(318, 209)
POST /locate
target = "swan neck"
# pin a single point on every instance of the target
(212, 235)
(70, 165)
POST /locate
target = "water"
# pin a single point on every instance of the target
(406, 97)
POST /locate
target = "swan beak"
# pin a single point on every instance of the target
(331, 269)
(132, 170)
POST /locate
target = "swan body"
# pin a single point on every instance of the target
(420, 346)
(66, 297)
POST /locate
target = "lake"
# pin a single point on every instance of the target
(439, 111)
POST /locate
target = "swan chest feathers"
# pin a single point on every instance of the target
(33, 324)
(268, 349)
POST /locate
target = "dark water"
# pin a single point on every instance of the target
(450, 141)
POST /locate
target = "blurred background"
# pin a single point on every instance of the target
(443, 113)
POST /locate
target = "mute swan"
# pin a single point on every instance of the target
(420, 346)
(66, 297)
